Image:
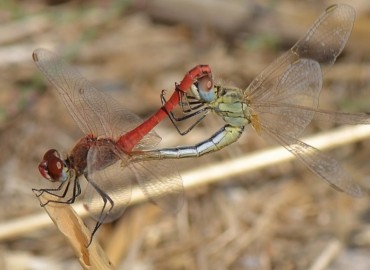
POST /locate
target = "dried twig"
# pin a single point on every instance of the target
(78, 236)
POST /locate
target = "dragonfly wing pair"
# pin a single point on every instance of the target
(284, 97)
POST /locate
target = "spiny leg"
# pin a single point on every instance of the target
(204, 110)
(185, 100)
(195, 111)
(183, 103)
(75, 193)
(102, 215)
(51, 191)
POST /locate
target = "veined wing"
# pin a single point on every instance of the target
(160, 183)
(326, 38)
(346, 118)
(94, 112)
(323, 42)
(319, 163)
(290, 105)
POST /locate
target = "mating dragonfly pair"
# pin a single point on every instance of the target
(279, 103)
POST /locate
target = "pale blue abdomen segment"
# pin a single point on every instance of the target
(224, 137)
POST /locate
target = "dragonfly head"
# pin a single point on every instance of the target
(53, 167)
(203, 89)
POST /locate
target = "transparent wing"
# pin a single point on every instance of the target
(323, 42)
(94, 112)
(109, 189)
(319, 163)
(161, 183)
(284, 106)
(343, 117)
(284, 112)
(326, 38)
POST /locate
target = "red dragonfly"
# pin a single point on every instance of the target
(102, 155)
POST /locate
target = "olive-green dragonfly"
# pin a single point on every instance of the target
(281, 101)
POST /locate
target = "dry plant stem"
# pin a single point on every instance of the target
(331, 252)
(216, 172)
(78, 236)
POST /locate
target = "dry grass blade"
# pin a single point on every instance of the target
(78, 236)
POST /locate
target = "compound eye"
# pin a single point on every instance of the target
(205, 88)
(205, 84)
(51, 167)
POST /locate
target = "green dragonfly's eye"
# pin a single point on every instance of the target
(202, 89)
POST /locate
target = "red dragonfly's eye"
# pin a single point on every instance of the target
(51, 167)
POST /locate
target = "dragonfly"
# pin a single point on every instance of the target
(101, 155)
(281, 102)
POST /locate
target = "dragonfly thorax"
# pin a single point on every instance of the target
(230, 105)
(105, 156)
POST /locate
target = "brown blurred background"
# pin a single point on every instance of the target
(283, 217)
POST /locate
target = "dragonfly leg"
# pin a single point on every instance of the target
(191, 106)
(104, 210)
(189, 113)
(174, 120)
(54, 192)
(185, 100)
(39, 192)
(198, 104)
